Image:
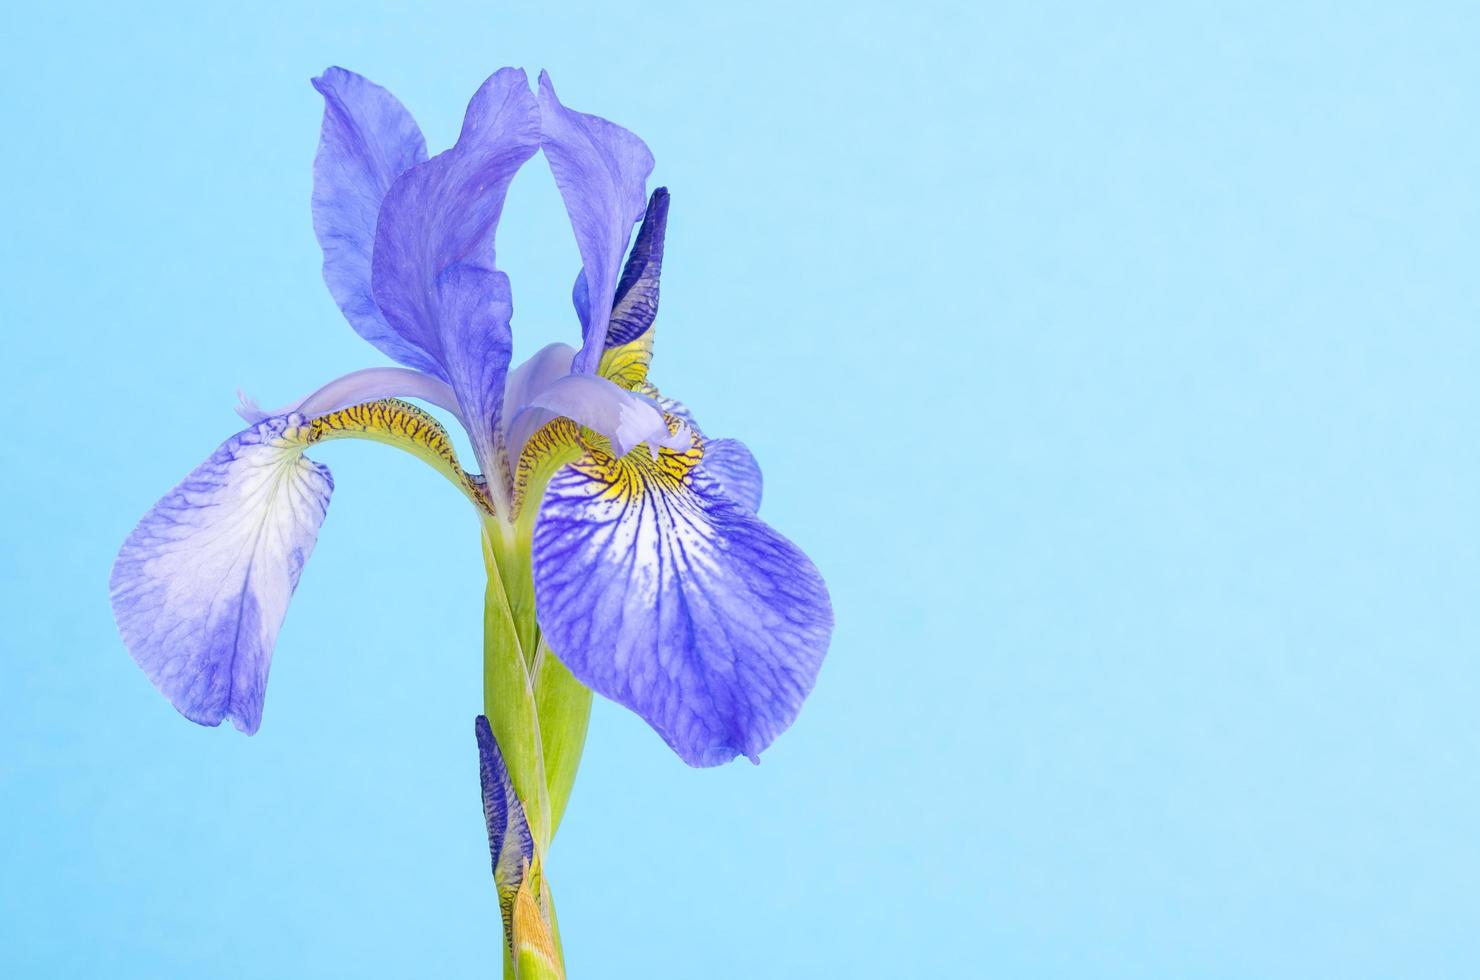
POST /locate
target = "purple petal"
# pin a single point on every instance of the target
(510, 844)
(580, 298)
(201, 586)
(664, 595)
(624, 417)
(672, 406)
(732, 467)
(549, 363)
(636, 303)
(601, 170)
(443, 214)
(368, 139)
(358, 387)
(476, 306)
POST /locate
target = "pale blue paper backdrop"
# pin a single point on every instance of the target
(1116, 363)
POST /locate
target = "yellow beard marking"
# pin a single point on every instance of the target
(555, 444)
(403, 425)
(637, 472)
(562, 441)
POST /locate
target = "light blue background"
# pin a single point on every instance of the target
(1116, 364)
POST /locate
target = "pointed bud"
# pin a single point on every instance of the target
(510, 844)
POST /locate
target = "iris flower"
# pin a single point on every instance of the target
(624, 551)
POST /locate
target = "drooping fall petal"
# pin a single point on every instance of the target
(201, 586)
(662, 593)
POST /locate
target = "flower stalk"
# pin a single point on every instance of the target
(538, 713)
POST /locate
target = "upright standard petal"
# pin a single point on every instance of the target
(368, 139)
(201, 586)
(601, 170)
(660, 592)
(433, 268)
(510, 843)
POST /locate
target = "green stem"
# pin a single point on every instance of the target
(536, 708)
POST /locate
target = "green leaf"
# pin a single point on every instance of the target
(564, 706)
(509, 703)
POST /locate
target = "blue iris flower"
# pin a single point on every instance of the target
(623, 541)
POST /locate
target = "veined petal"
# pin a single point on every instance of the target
(368, 139)
(433, 269)
(358, 387)
(734, 470)
(601, 170)
(510, 843)
(661, 593)
(201, 586)
(727, 461)
(624, 417)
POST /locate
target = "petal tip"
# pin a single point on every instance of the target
(247, 726)
(248, 408)
(332, 78)
(509, 73)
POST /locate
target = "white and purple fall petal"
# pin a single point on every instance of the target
(664, 594)
(732, 467)
(201, 586)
